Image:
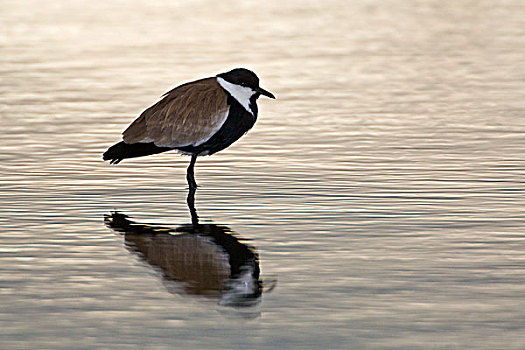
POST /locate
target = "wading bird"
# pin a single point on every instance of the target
(198, 118)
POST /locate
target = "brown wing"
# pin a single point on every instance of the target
(187, 115)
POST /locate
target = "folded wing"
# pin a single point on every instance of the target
(187, 115)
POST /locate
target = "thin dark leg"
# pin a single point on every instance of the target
(191, 205)
(190, 176)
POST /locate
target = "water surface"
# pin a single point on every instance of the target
(382, 191)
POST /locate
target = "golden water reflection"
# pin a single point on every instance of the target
(385, 186)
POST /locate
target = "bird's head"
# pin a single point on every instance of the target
(243, 81)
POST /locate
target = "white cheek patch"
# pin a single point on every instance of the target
(241, 93)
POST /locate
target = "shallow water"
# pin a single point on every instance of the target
(382, 190)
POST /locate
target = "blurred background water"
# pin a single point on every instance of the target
(382, 190)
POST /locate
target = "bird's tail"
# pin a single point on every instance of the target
(119, 151)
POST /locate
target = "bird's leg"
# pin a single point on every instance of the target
(191, 205)
(190, 174)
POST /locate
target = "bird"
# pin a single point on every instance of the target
(198, 118)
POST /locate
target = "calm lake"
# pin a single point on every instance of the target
(381, 195)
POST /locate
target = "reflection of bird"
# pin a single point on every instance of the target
(205, 259)
(197, 118)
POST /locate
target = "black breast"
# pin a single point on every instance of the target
(238, 122)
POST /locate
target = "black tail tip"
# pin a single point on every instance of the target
(112, 154)
(112, 160)
(119, 151)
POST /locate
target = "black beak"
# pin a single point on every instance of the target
(264, 92)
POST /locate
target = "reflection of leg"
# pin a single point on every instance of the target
(191, 205)
(190, 175)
